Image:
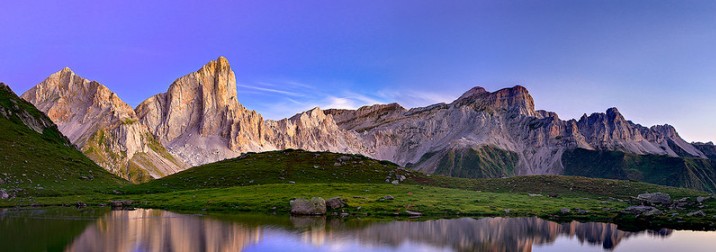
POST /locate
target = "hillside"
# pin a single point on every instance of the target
(298, 167)
(37, 159)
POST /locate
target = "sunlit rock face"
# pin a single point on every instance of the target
(156, 230)
(505, 119)
(101, 124)
(201, 120)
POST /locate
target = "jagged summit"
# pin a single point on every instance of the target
(480, 134)
(515, 100)
(100, 123)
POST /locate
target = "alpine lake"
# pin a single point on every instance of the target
(102, 229)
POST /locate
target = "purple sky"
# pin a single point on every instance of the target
(654, 60)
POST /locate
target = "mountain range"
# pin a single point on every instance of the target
(480, 134)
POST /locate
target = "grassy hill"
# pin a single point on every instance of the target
(266, 182)
(304, 167)
(693, 173)
(42, 163)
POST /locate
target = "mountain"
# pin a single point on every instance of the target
(37, 159)
(105, 128)
(495, 134)
(200, 120)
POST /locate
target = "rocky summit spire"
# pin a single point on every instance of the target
(203, 102)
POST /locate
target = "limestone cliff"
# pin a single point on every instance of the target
(102, 125)
(201, 120)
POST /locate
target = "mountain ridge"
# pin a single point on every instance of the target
(200, 120)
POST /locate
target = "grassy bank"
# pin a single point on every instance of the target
(266, 182)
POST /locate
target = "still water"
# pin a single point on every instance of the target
(68, 229)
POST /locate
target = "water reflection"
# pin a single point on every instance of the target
(157, 230)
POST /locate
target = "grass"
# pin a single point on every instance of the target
(265, 183)
(43, 164)
(692, 173)
(45, 170)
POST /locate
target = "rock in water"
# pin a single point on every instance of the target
(335, 203)
(315, 206)
(655, 198)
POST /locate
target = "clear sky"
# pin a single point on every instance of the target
(654, 60)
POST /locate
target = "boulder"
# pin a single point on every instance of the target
(314, 206)
(395, 182)
(121, 204)
(643, 210)
(4, 194)
(655, 198)
(701, 199)
(335, 203)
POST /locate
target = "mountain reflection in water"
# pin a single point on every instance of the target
(157, 230)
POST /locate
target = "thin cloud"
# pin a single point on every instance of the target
(270, 90)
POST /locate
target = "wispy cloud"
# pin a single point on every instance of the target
(270, 90)
(276, 100)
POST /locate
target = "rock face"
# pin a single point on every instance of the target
(442, 135)
(481, 134)
(200, 120)
(105, 128)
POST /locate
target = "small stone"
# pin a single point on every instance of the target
(535, 195)
(121, 204)
(699, 199)
(4, 194)
(507, 210)
(316, 167)
(643, 210)
(401, 178)
(335, 203)
(343, 215)
(395, 182)
(388, 197)
(292, 182)
(413, 213)
(564, 210)
(699, 213)
(80, 204)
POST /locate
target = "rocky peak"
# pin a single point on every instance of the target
(99, 122)
(72, 101)
(512, 100)
(202, 102)
(473, 92)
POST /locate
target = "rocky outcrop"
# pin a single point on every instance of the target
(480, 134)
(428, 138)
(105, 128)
(200, 120)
